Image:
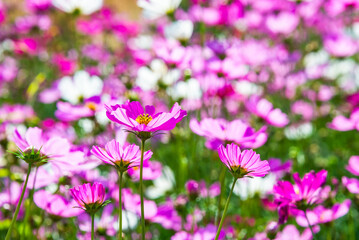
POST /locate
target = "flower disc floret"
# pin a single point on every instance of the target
(144, 118)
(144, 122)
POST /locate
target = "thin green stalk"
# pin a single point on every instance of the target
(92, 226)
(221, 180)
(28, 209)
(310, 226)
(225, 209)
(141, 190)
(120, 206)
(8, 235)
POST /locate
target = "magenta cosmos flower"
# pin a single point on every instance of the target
(303, 194)
(139, 120)
(89, 198)
(242, 164)
(307, 189)
(123, 158)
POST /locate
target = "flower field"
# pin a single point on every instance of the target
(196, 120)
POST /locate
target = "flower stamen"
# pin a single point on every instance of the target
(144, 118)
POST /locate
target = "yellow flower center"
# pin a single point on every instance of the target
(91, 106)
(239, 171)
(122, 165)
(144, 118)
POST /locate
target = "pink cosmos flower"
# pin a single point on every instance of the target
(65, 65)
(212, 85)
(291, 232)
(38, 5)
(89, 198)
(284, 22)
(45, 176)
(132, 203)
(219, 131)
(353, 165)
(305, 109)
(340, 45)
(2, 12)
(26, 45)
(352, 184)
(264, 109)
(123, 158)
(278, 168)
(68, 112)
(12, 194)
(242, 164)
(321, 214)
(151, 171)
(341, 123)
(305, 192)
(16, 113)
(201, 189)
(212, 191)
(307, 189)
(55, 204)
(192, 187)
(27, 23)
(136, 119)
(167, 216)
(55, 148)
(204, 233)
(8, 69)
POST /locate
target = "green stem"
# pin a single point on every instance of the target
(141, 190)
(28, 209)
(225, 209)
(219, 204)
(8, 235)
(92, 226)
(120, 206)
(310, 226)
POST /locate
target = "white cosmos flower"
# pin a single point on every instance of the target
(162, 184)
(81, 85)
(189, 89)
(248, 187)
(157, 8)
(129, 220)
(87, 125)
(247, 88)
(180, 30)
(148, 77)
(338, 68)
(301, 131)
(85, 7)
